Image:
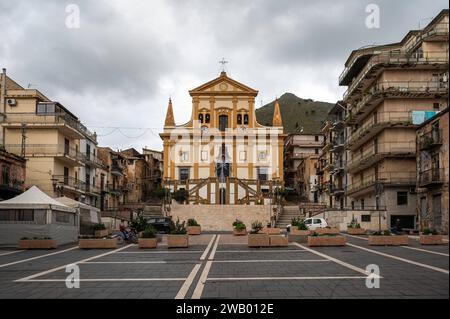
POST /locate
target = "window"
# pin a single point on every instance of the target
(184, 156)
(316, 138)
(245, 119)
(436, 106)
(45, 108)
(242, 155)
(184, 174)
(239, 119)
(402, 198)
(316, 151)
(365, 218)
(362, 204)
(223, 122)
(262, 155)
(61, 217)
(207, 118)
(200, 118)
(353, 205)
(19, 215)
(263, 173)
(5, 175)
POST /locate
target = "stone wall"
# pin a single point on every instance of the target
(221, 217)
(341, 218)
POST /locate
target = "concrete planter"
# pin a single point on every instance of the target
(298, 238)
(177, 241)
(398, 240)
(101, 233)
(37, 244)
(194, 230)
(326, 231)
(278, 241)
(239, 232)
(324, 241)
(431, 240)
(272, 231)
(295, 231)
(356, 231)
(147, 243)
(258, 240)
(97, 243)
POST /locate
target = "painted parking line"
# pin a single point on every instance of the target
(37, 257)
(11, 252)
(286, 278)
(123, 262)
(106, 279)
(74, 263)
(340, 262)
(205, 253)
(163, 252)
(262, 251)
(401, 259)
(213, 252)
(271, 261)
(197, 294)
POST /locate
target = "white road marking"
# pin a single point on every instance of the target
(353, 236)
(124, 262)
(188, 282)
(287, 278)
(37, 257)
(163, 252)
(202, 280)
(74, 263)
(205, 253)
(425, 250)
(213, 252)
(109, 279)
(262, 251)
(11, 252)
(401, 259)
(271, 260)
(340, 262)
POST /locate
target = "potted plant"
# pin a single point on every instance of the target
(326, 240)
(354, 228)
(87, 242)
(193, 228)
(385, 238)
(37, 243)
(298, 227)
(239, 228)
(430, 237)
(256, 238)
(147, 238)
(100, 230)
(178, 237)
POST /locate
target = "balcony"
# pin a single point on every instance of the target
(372, 155)
(69, 155)
(376, 64)
(395, 89)
(430, 140)
(438, 33)
(337, 145)
(336, 189)
(338, 167)
(431, 177)
(114, 189)
(92, 160)
(376, 124)
(68, 183)
(117, 169)
(369, 183)
(92, 189)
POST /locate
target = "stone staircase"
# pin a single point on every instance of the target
(287, 213)
(152, 211)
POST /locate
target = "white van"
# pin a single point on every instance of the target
(314, 222)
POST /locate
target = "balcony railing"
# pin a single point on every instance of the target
(70, 182)
(430, 139)
(91, 159)
(380, 120)
(440, 30)
(381, 150)
(114, 189)
(383, 178)
(55, 150)
(430, 177)
(397, 59)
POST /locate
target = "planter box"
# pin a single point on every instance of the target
(296, 231)
(431, 240)
(258, 240)
(326, 231)
(239, 232)
(177, 241)
(322, 241)
(194, 230)
(298, 238)
(37, 244)
(97, 243)
(356, 231)
(278, 241)
(147, 242)
(394, 240)
(272, 231)
(101, 233)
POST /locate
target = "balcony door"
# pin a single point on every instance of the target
(66, 175)
(66, 146)
(437, 213)
(223, 122)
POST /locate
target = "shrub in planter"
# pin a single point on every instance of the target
(193, 228)
(256, 238)
(239, 228)
(178, 237)
(148, 238)
(37, 243)
(431, 237)
(139, 224)
(324, 240)
(298, 227)
(354, 228)
(100, 230)
(385, 238)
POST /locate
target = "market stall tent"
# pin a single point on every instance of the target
(88, 215)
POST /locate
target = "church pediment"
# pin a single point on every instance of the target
(223, 84)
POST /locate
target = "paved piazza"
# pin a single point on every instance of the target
(222, 266)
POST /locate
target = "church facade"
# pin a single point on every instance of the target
(223, 155)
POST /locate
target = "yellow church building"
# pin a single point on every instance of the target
(223, 155)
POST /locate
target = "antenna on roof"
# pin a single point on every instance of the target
(424, 19)
(30, 85)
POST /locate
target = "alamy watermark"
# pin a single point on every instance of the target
(373, 19)
(73, 16)
(73, 279)
(373, 277)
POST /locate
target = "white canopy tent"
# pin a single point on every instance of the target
(89, 215)
(35, 214)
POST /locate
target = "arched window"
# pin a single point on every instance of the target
(245, 119)
(207, 119)
(239, 119)
(200, 118)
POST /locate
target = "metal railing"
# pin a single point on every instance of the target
(430, 139)
(70, 181)
(431, 176)
(400, 178)
(440, 29)
(395, 58)
(46, 150)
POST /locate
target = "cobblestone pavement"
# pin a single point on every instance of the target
(222, 266)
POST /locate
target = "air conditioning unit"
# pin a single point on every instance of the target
(11, 102)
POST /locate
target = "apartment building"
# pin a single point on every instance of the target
(156, 163)
(297, 148)
(306, 180)
(48, 136)
(13, 170)
(433, 173)
(387, 85)
(324, 166)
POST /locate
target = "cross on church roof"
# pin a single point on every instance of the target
(223, 62)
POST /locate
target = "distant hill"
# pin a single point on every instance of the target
(296, 113)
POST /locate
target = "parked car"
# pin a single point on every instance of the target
(162, 225)
(315, 222)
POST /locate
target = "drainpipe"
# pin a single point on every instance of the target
(2, 106)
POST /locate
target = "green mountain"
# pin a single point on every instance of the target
(296, 113)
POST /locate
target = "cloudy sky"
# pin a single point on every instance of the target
(118, 69)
